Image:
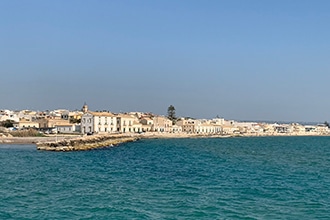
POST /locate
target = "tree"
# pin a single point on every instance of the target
(7, 123)
(74, 120)
(171, 113)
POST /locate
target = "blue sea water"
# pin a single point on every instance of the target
(211, 178)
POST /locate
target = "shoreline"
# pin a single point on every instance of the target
(32, 140)
(86, 143)
(54, 139)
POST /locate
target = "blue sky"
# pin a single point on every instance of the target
(244, 60)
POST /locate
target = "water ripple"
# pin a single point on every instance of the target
(238, 178)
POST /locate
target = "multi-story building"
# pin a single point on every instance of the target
(205, 127)
(128, 123)
(187, 125)
(98, 122)
(24, 124)
(162, 124)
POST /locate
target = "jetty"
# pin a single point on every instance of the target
(86, 143)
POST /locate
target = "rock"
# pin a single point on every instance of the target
(86, 143)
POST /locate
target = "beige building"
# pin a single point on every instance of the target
(322, 129)
(187, 125)
(75, 115)
(176, 129)
(127, 123)
(137, 127)
(207, 127)
(147, 121)
(162, 124)
(24, 123)
(51, 123)
(230, 129)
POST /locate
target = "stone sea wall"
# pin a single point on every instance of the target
(85, 143)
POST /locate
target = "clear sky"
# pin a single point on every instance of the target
(243, 60)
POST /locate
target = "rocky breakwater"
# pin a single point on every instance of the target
(86, 143)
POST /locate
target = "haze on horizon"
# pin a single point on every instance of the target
(243, 60)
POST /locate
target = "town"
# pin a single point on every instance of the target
(86, 122)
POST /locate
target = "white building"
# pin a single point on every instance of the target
(98, 122)
(68, 128)
(8, 115)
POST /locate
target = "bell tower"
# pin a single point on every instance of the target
(85, 108)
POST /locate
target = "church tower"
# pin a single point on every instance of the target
(85, 108)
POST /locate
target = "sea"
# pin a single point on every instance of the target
(197, 178)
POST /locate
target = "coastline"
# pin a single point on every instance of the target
(86, 143)
(182, 135)
(80, 143)
(32, 140)
(54, 139)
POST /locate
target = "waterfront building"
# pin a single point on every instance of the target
(25, 123)
(68, 128)
(127, 123)
(187, 125)
(176, 129)
(282, 128)
(161, 124)
(147, 121)
(322, 129)
(297, 129)
(98, 122)
(230, 129)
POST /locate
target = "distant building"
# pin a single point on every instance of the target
(162, 124)
(24, 123)
(127, 123)
(8, 115)
(68, 128)
(98, 122)
(187, 125)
